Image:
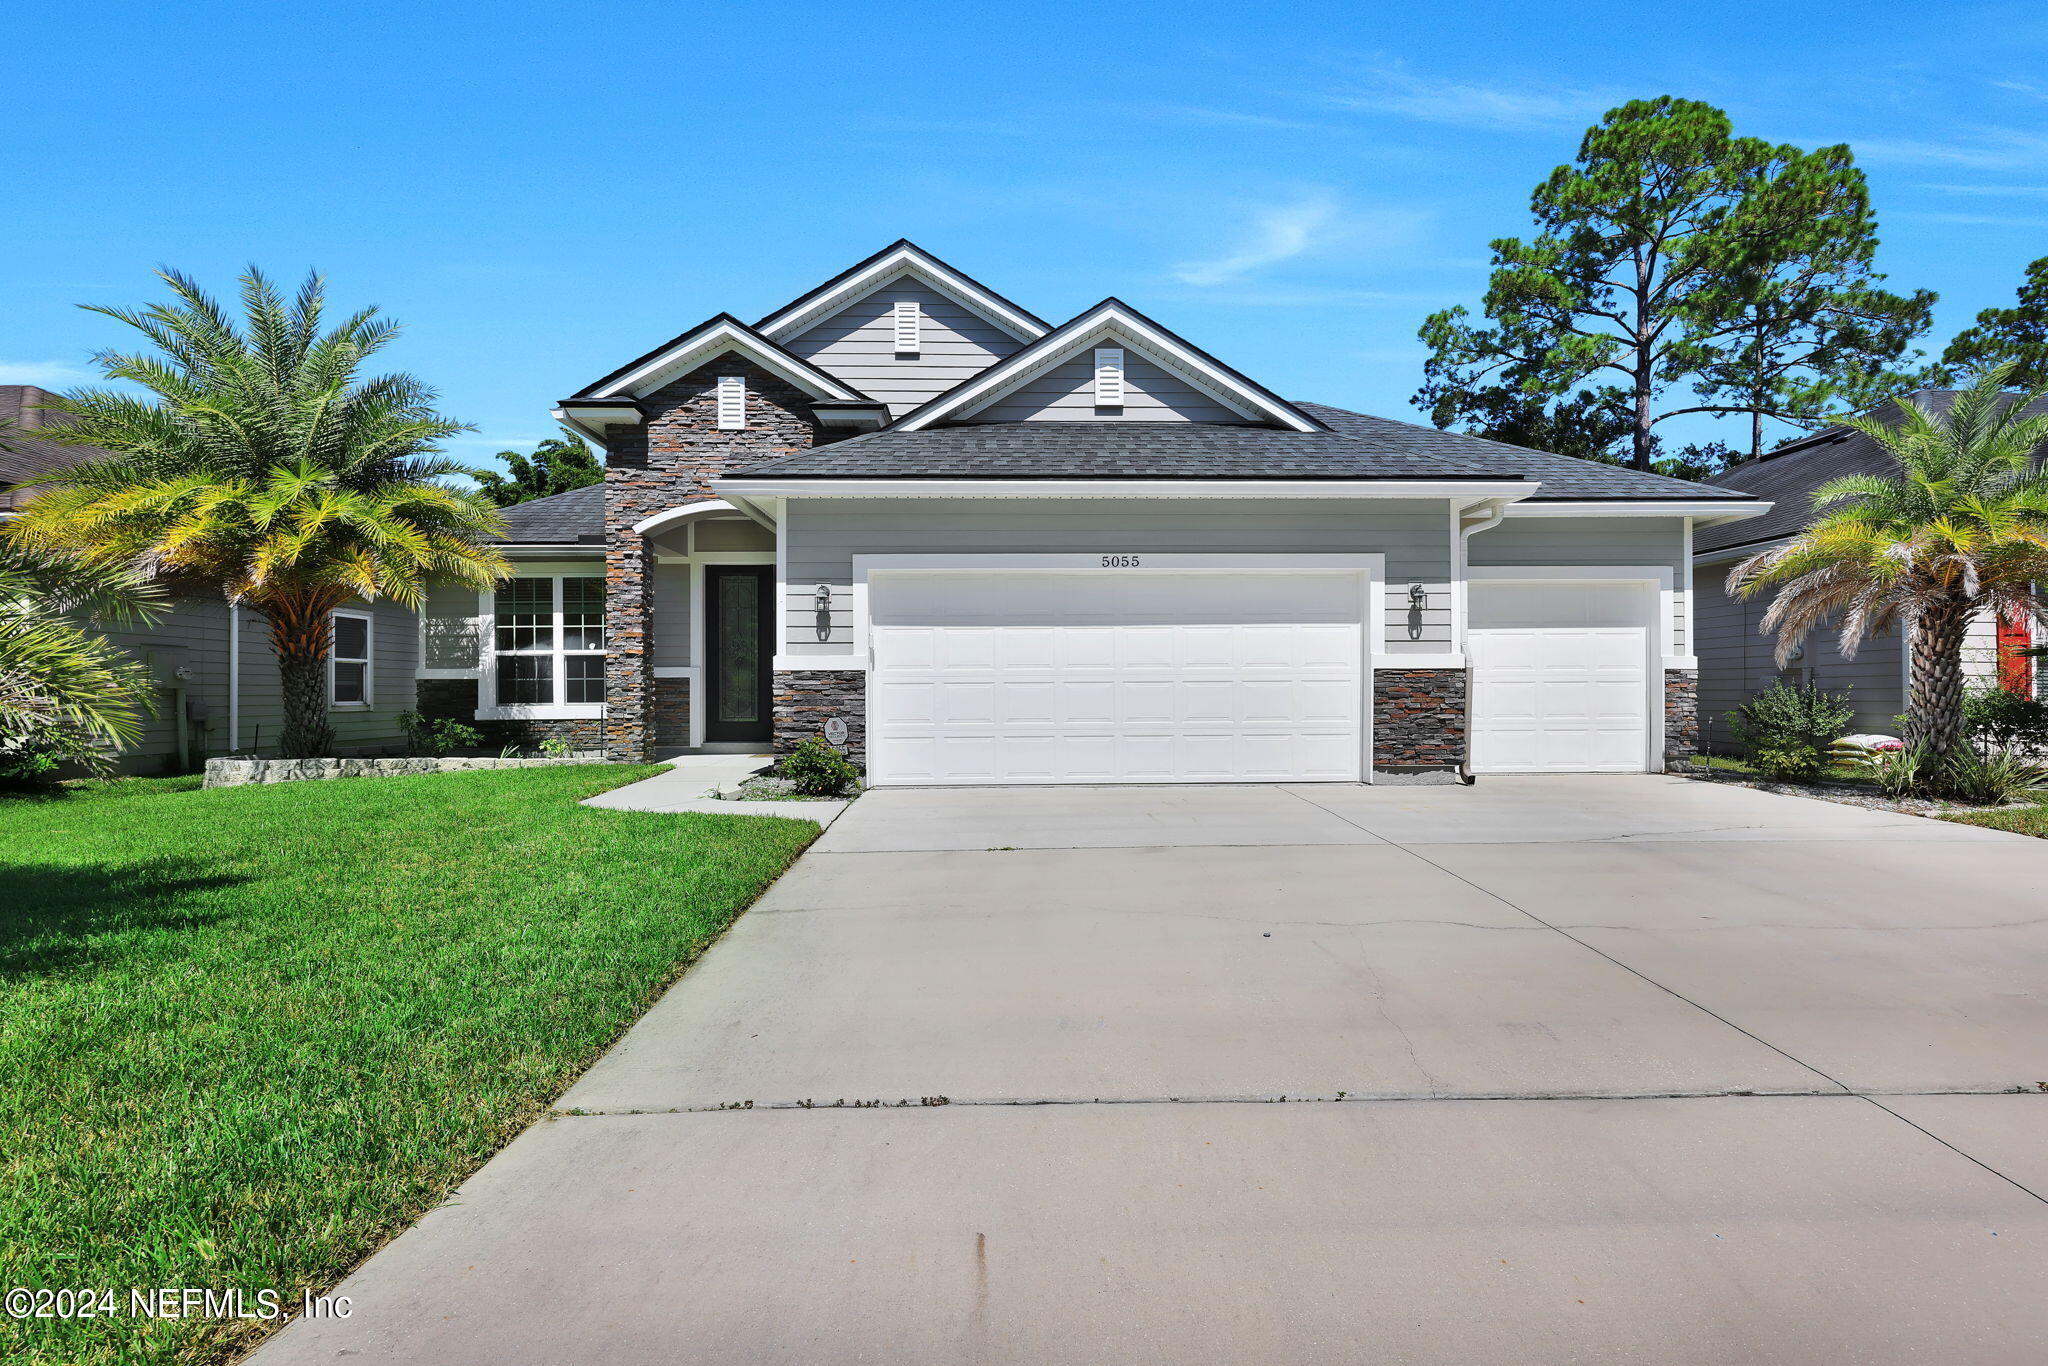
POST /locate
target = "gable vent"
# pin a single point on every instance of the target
(909, 326)
(732, 402)
(1109, 377)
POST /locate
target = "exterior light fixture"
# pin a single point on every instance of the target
(823, 599)
(1418, 596)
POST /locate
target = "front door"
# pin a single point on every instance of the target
(736, 641)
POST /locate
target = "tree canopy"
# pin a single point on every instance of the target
(558, 464)
(1679, 269)
(2016, 337)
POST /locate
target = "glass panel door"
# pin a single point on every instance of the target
(736, 639)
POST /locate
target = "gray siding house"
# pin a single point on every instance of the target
(217, 686)
(972, 547)
(1737, 660)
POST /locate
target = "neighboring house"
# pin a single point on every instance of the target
(217, 682)
(1737, 660)
(903, 512)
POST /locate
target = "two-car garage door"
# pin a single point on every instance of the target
(1115, 676)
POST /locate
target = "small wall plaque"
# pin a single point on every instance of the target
(835, 730)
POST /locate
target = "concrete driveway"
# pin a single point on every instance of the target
(1632, 1070)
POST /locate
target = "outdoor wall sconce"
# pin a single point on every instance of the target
(1418, 598)
(823, 598)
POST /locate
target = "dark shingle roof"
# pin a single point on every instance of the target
(1356, 447)
(23, 452)
(559, 519)
(1789, 475)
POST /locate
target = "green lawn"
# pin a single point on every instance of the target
(247, 1035)
(2032, 820)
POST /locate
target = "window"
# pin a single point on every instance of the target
(348, 661)
(732, 402)
(909, 325)
(549, 644)
(1109, 377)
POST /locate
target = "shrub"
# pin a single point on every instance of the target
(1786, 729)
(815, 769)
(1901, 772)
(434, 738)
(555, 747)
(23, 769)
(1998, 721)
(1990, 779)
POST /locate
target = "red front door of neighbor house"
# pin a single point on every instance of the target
(2015, 671)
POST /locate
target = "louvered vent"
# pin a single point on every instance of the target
(732, 403)
(909, 327)
(1109, 377)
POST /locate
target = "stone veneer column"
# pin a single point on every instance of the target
(669, 462)
(1681, 717)
(1418, 719)
(807, 698)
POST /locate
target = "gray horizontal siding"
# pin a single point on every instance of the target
(1066, 393)
(1609, 542)
(858, 345)
(824, 535)
(1737, 661)
(669, 626)
(193, 635)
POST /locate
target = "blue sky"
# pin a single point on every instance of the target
(542, 192)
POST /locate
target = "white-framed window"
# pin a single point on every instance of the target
(547, 642)
(732, 402)
(348, 660)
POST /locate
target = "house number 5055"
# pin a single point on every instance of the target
(1119, 561)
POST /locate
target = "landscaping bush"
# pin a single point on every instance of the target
(1786, 730)
(437, 738)
(1990, 779)
(1998, 721)
(815, 769)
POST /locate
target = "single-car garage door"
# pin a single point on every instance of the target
(1126, 676)
(1559, 677)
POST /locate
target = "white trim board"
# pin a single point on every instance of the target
(894, 264)
(1233, 489)
(1109, 319)
(716, 338)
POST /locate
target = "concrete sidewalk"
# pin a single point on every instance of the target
(1559, 1070)
(692, 776)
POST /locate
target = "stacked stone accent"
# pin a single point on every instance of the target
(669, 462)
(1681, 717)
(1418, 719)
(456, 699)
(671, 711)
(806, 699)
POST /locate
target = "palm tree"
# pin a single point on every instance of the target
(65, 692)
(262, 466)
(1959, 531)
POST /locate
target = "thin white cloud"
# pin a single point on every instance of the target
(1229, 118)
(1276, 233)
(2008, 191)
(1988, 149)
(1391, 88)
(46, 374)
(1975, 220)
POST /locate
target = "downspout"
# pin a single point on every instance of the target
(234, 679)
(1496, 511)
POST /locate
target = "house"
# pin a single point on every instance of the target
(1737, 660)
(217, 688)
(970, 546)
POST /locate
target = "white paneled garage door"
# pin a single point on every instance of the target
(1115, 677)
(1560, 677)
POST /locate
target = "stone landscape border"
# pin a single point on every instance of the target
(242, 772)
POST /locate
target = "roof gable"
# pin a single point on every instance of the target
(1039, 379)
(900, 260)
(861, 343)
(707, 341)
